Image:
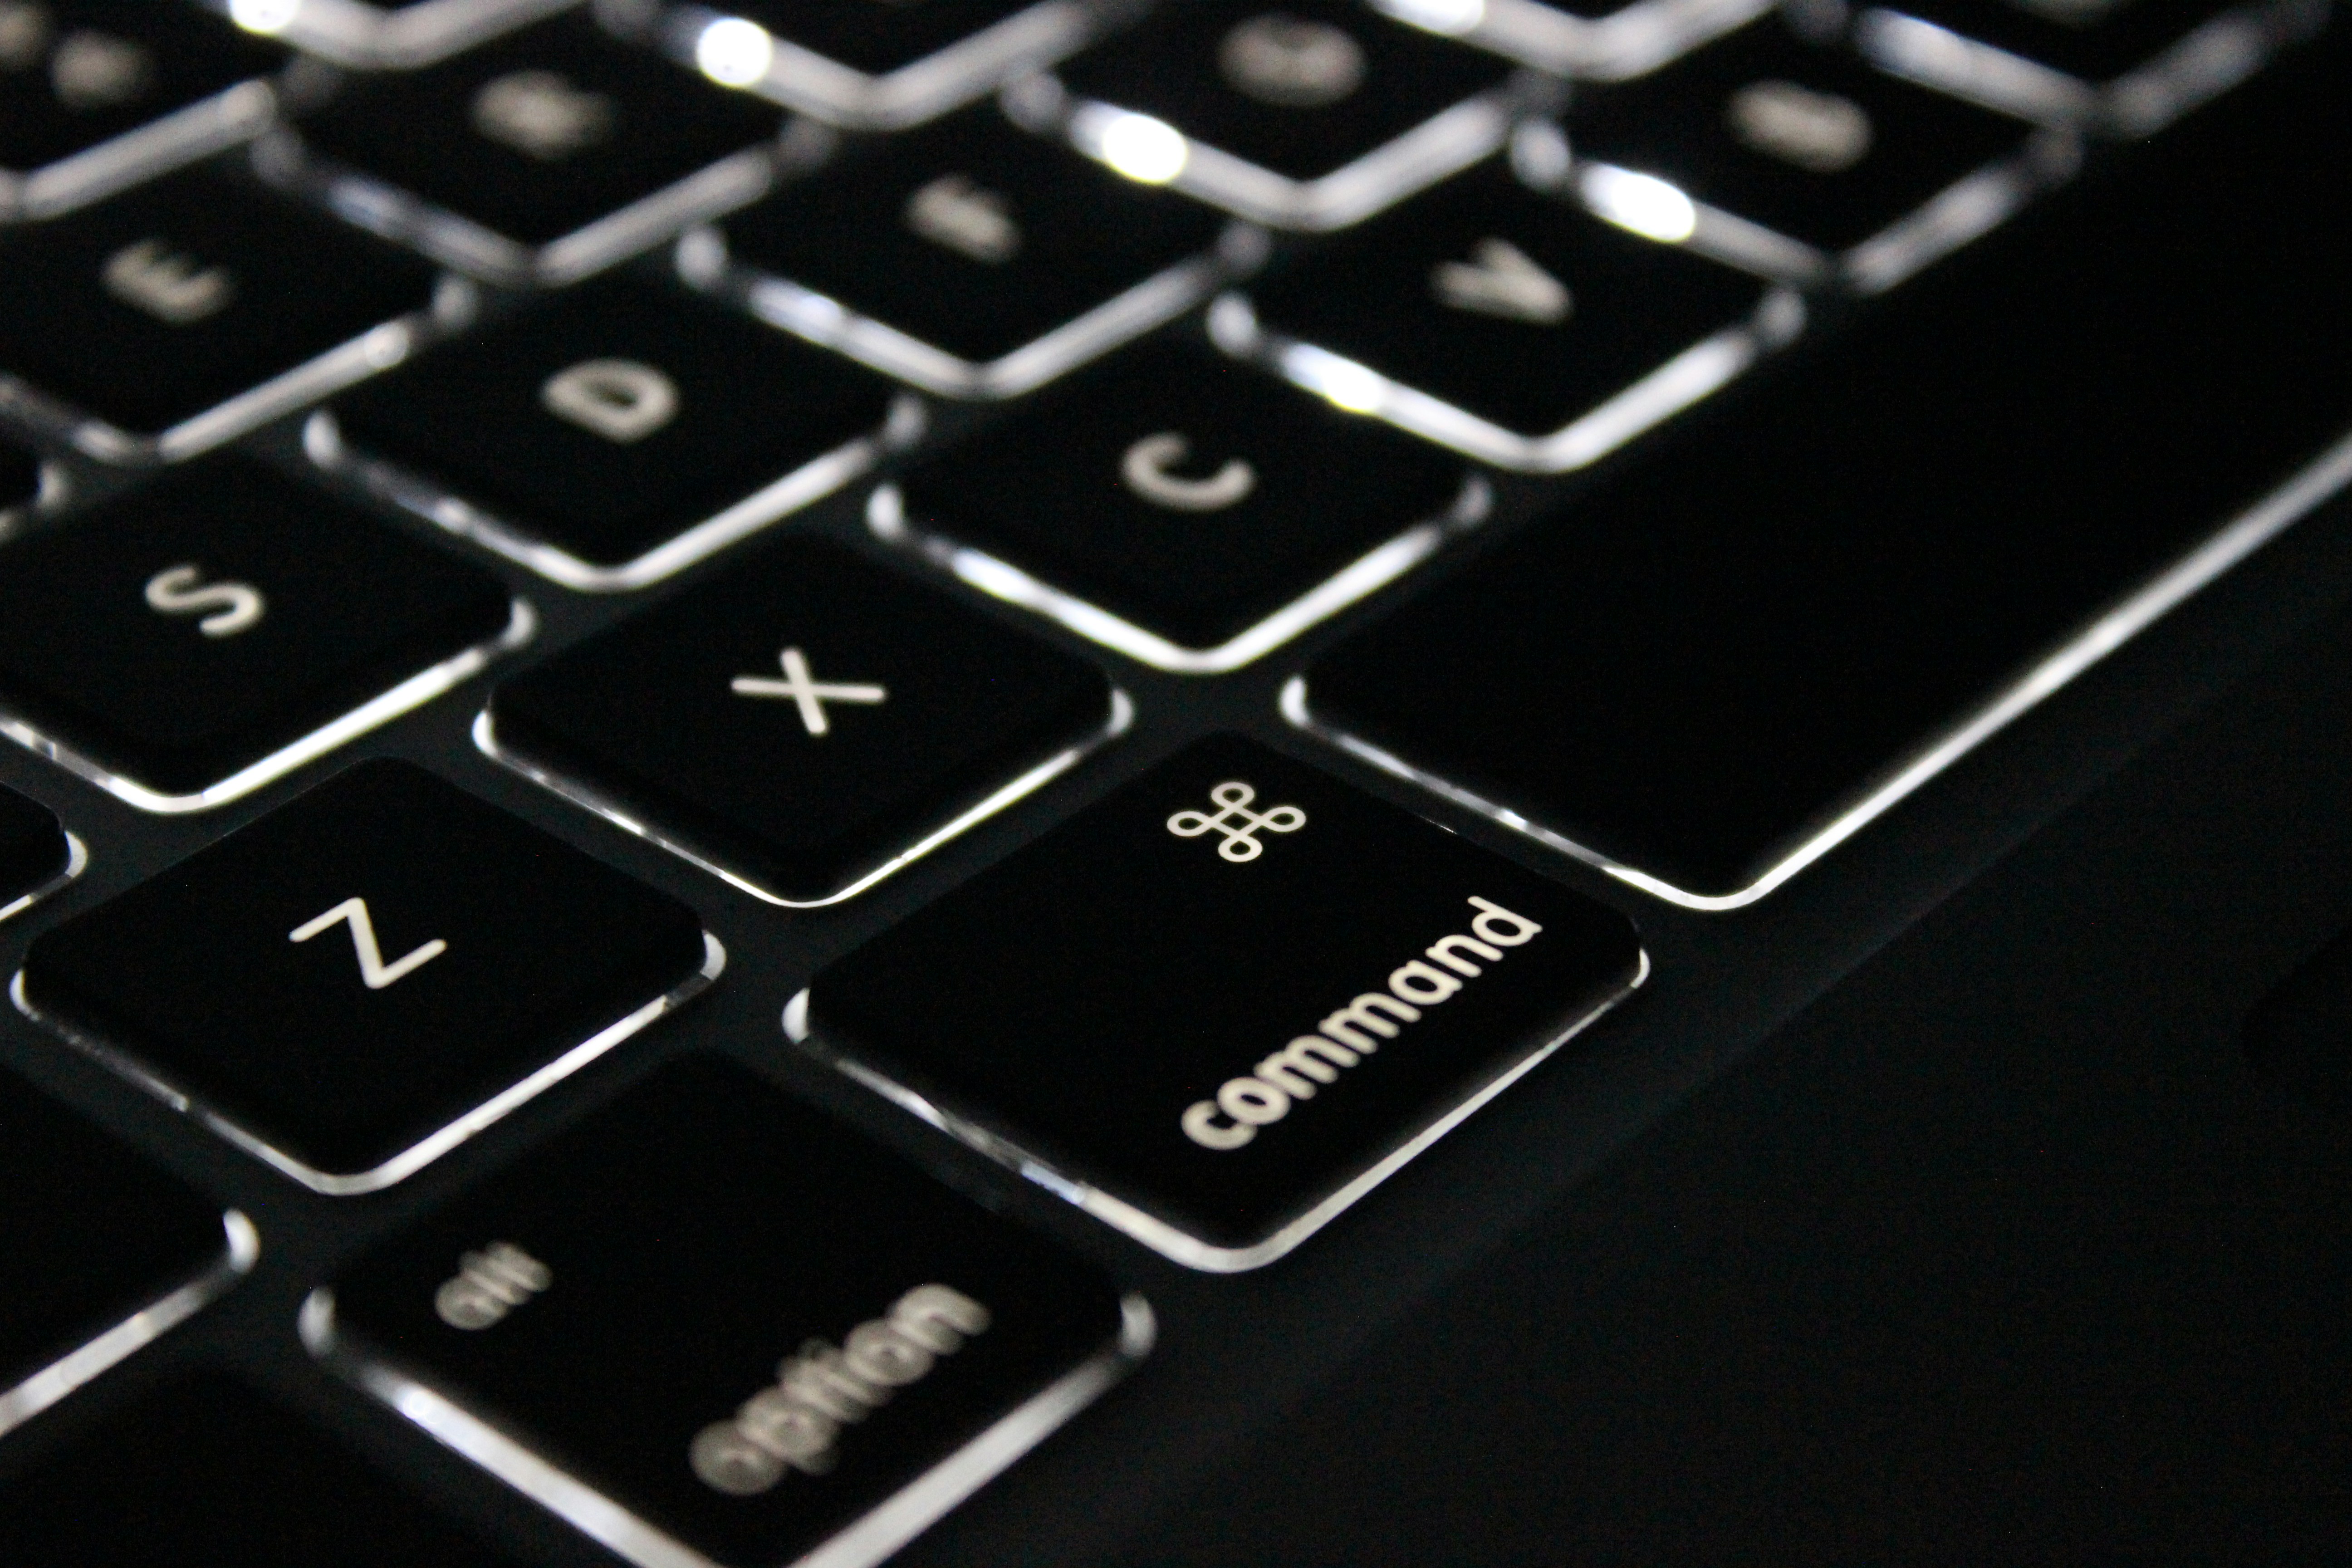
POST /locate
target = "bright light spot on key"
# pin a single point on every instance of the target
(1150, 151)
(1451, 18)
(1342, 382)
(733, 52)
(264, 16)
(1647, 205)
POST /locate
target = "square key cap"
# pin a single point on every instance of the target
(100, 1254)
(1807, 144)
(617, 434)
(874, 67)
(36, 854)
(98, 94)
(366, 977)
(1268, 991)
(971, 258)
(538, 159)
(184, 645)
(804, 724)
(184, 314)
(1311, 114)
(1507, 324)
(804, 1350)
(1187, 511)
(204, 1470)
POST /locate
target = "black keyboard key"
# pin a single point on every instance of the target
(36, 854)
(807, 1339)
(539, 158)
(1268, 991)
(618, 434)
(1184, 509)
(1508, 325)
(971, 257)
(1784, 622)
(385, 34)
(98, 94)
(174, 318)
(369, 975)
(1311, 115)
(1810, 145)
(105, 1254)
(205, 1470)
(804, 724)
(185, 644)
(877, 67)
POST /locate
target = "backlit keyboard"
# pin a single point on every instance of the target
(741, 730)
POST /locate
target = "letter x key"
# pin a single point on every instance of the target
(802, 687)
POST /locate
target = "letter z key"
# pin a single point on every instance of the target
(362, 980)
(1267, 992)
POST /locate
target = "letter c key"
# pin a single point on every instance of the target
(1144, 470)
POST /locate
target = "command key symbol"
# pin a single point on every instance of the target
(1234, 819)
(488, 1285)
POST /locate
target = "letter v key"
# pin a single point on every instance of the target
(373, 968)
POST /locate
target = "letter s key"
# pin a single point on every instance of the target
(181, 591)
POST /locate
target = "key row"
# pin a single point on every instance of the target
(1310, 118)
(977, 267)
(918, 1341)
(169, 321)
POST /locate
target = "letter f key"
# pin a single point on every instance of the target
(373, 968)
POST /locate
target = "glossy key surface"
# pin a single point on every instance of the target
(539, 133)
(619, 416)
(354, 984)
(199, 625)
(788, 1326)
(803, 720)
(172, 300)
(76, 73)
(90, 1233)
(205, 1469)
(1699, 669)
(1805, 140)
(1510, 305)
(971, 236)
(1187, 494)
(1267, 989)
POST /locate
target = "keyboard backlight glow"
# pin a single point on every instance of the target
(1643, 203)
(1150, 152)
(733, 52)
(1344, 383)
(1451, 17)
(264, 16)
